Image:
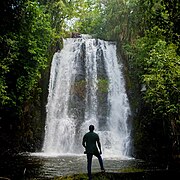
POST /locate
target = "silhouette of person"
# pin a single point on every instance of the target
(90, 142)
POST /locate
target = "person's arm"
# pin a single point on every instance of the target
(99, 146)
(83, 142)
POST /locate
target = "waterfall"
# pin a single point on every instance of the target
(86, 87)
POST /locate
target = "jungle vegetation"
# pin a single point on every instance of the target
(147, 34)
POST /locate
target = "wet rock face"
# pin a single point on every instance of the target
(76, 35)
(102, 92)
(78, 89)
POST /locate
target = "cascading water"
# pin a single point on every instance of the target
(87, 87)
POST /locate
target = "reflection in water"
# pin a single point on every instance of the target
(38, 166)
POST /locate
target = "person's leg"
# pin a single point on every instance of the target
(100, 161)
(89, 163)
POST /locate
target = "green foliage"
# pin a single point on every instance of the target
(162, 14)
(89, 18)
(156, 64)
(80, 88)
(119, 19)
(33, 43)
(25, 40)
(26, 57)
(162, 77)
(103, 85)
(71, 15)
(3, 93)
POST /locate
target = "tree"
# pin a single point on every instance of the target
(23, 58)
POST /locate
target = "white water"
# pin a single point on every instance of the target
(64, 131)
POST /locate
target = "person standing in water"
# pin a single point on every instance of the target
(90, 142)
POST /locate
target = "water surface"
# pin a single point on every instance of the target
(29, 166)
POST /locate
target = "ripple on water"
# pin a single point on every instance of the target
(37, 165)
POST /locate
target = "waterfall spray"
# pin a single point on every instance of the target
(86, 87)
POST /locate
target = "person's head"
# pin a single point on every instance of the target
(91, 128)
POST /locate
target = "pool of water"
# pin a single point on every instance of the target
(29, 166)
